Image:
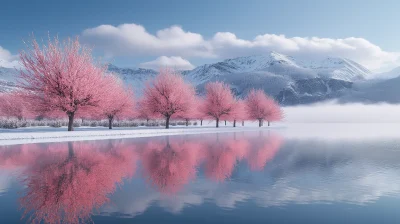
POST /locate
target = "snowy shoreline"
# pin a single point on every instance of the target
(12, 138)
(313, 131)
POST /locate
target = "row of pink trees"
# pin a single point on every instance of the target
(169, 96)
(61, 79)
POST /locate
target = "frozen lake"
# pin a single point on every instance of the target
(316, 173)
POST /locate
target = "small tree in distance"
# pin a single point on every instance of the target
(141, 112)
(118, 101)
(189, 114)
(261, 107)
(168, 95)
(13, 105)
(61, 77)
(199, 114)
(238, 112)
(219, 101)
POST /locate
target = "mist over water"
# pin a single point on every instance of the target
(332, 112)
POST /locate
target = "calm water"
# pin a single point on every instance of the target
(242, 177)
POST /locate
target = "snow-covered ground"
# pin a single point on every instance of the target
(325, 120)
(49, 134)
(312, 131)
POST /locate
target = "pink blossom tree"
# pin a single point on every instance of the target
(141, 111)
(13, 105)
(199, 114)
(61, 77)
(118, 102)
(261, 107)
(168, 95)
(238, 112)
(191, 113)
(219, 101)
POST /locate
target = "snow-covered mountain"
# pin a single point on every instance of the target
(282, 65)
(8, 78)
(133, 77)
(290, 80)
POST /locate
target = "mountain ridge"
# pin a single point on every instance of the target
(289, 79)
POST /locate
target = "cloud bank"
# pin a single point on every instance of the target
(7, 59)
(135, 40)
(177, 63)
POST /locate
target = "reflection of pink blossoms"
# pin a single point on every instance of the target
(66, 181)
(66, 184)
(17, 156)
(222, 157)
(170, 165)
(264, 150)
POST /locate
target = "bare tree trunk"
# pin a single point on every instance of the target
(242, 123)
(217, 125)
(201, 122)
(234, 123)
(259, 123)
(187, 122)
(268, 123)
(167, 122)
(147, 121)
(225, 122)
(71, 121)
(110, 121)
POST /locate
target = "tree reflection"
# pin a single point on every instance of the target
(69, 180)
(222, 156)
(263, 150)
(171, 163)
(66, 182)
(17, 156)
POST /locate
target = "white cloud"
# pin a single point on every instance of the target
(177, 63)
(357, 49)
(7, 59)
(133, 39)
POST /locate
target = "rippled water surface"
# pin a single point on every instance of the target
(237, 177)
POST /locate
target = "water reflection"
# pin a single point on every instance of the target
(66, 181)
(170, 164)
(69, 182)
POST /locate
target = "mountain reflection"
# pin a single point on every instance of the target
(67, 182)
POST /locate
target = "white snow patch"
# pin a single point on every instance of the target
(12, 138)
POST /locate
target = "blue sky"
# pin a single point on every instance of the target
(372, 21)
